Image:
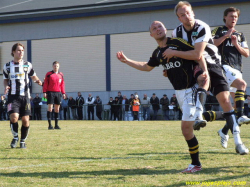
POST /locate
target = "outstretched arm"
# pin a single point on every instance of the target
(143, 66)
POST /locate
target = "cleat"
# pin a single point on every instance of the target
(241, 149)
(224, 139)
(13, 143)
(22, 145)
(243, 120)
(57, 127)
(50, 128)
(199, 124)
(192, 169)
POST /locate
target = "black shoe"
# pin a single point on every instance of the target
(57, 127)
(13, 143)
(22, 145)
(50, 128)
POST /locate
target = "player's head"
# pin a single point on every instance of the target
(231, 16)
(17, 51)
(55, 66)
(157, 30)
(184, 12)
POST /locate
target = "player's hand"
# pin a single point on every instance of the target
(64, 96)
(203, 79)
(230, 32)
(38, 82)
(120, 56)
(6, 90)
(234, 40)
(167, 54)
(165, 74)
(44, 95)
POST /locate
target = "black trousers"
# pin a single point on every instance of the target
(91, 110)
(79, 113)
(37, 114)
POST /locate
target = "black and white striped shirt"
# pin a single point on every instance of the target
(200, 33)
(18, 75)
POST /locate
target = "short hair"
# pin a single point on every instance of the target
(56, 62)
(180, 4)
(14, 47)
(230, 9)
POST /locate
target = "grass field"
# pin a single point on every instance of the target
(107, 153)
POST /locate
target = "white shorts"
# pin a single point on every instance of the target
(187, 103)
(231, 75)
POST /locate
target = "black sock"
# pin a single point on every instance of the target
(225, 129)
(14, 129)
(194, 151)
(49, 117)
(212, 115)
(230, 118)
(239, 101)
(56, 119)
(24, 133)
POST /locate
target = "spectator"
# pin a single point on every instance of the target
(125, 108)
(90, 101)
(175, 104)
(116, 105)
(112, 110)
(164, 101)
(136, 107)
(61, 112)
(154, 100)
(31, 109)
(145, 103)
(130, 103)
(98, 104)
(247, 106)
(72, 107)
(120, 104)
(79, 104)
(3, 110)
(65, 108)
(37, 101)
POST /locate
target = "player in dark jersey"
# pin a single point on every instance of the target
(16, 75)
(181, 75)
(232, 45)
(199, 35)
(53, 90)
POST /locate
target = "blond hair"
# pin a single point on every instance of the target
(180, 4)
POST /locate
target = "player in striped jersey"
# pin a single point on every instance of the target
(184, 84)
(16, 75)
(199, 35)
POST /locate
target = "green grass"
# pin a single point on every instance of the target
(104, 153)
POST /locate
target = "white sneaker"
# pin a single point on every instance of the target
(224, 138)
(241, 149)
(243, 120)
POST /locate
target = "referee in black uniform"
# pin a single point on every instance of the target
(181, 74)
(16, 75)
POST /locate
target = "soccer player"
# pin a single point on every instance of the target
(199, 35)
(232, 45)
(53, 90)
(184, 84)
(16, 75)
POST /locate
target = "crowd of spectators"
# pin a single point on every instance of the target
(120, 107)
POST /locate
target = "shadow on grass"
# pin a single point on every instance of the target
(122, 173)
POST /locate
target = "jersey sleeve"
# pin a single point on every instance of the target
(31, 71)
(204, 34)
(62, 85)
(243, 41)
(46, 83)
(5, 72)
(153, 62)
(216, 33)
(181, 44)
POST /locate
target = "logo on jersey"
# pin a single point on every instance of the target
(172, 47)
(170, 65)
(17, 76)
(60, 80)
(233, 74)
(195, 33)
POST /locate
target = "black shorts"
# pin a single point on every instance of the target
(54, 98)
(18, 104)
(218, 81)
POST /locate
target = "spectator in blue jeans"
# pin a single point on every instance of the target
(145, 103)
